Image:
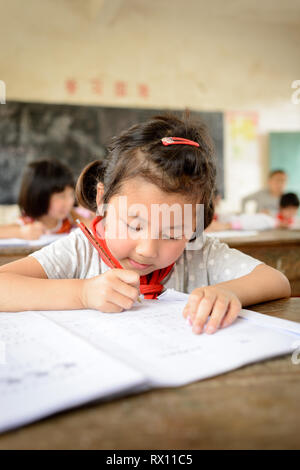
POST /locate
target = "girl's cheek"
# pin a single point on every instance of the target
(120, 250)
(55, 208)
(52, 209)
(171, 252)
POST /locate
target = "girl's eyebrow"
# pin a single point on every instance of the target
(143, 220)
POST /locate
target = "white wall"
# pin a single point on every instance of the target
(205, 55)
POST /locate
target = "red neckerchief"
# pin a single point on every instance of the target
(288, 220)
(149, 284)
(65, 227)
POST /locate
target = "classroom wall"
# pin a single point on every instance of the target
(195, 54)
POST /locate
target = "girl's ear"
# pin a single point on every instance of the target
(99, 197)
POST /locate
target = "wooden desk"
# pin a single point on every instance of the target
(12, 253)
(277, 248)
(255, 407)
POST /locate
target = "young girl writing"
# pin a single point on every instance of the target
(165, 161)
(46, 201)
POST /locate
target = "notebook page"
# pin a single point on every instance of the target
(156, 339)
(254, 317)
(270, 321)
(5, 242)
(45, 369)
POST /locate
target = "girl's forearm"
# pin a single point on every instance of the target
(10, 231)
(18, 293)
(261, 285)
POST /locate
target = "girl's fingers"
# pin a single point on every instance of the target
(192, 304)
(204, 310)
(218, 313)
(126, 283)
(233, 311)
(111, 308)
(119, 299)
(125, 289)
(128, 276)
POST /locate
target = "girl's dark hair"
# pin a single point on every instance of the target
(86, 186)
(40, 180)
(276, 172)
(139, 152)
(289, 200)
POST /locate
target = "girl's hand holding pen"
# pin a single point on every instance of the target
(222, 305)
(32, 231)
(112, 291)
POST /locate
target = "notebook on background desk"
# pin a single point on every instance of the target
(42, 241)
(232, 233)
(56, 360)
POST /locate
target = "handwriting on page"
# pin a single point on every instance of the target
(57, 360)
(48, 369)
(156, 334)
(28, 349)
(37, 348)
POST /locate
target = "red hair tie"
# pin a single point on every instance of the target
(178, 140)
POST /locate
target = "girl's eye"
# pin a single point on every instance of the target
(136, 229)
(165, 237)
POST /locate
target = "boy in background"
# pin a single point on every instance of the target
(286, 217)
(267, 200)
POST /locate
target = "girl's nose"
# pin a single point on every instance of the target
(147, 248)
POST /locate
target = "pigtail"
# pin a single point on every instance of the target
(86, 186)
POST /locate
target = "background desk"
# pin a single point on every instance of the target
(255, 407)
(278, 248)
(12, 253)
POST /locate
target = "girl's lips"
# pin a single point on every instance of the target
(138, 265)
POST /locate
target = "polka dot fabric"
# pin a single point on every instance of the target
(213, 262)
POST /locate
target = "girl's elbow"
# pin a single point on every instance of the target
(284, 284)
(287, 286)
(278, 282)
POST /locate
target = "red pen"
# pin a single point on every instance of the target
(99, 248)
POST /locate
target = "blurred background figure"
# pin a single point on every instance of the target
(267, 200)
(286, 217)
(46, 202)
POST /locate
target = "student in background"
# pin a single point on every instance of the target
(285, 218)
(46, 201)
(162, 161)
(267, 200)
(287, 215)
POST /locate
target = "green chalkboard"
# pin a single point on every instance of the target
(285, 155)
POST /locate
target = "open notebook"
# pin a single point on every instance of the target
(55, 360)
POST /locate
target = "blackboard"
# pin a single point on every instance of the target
(74, 134)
